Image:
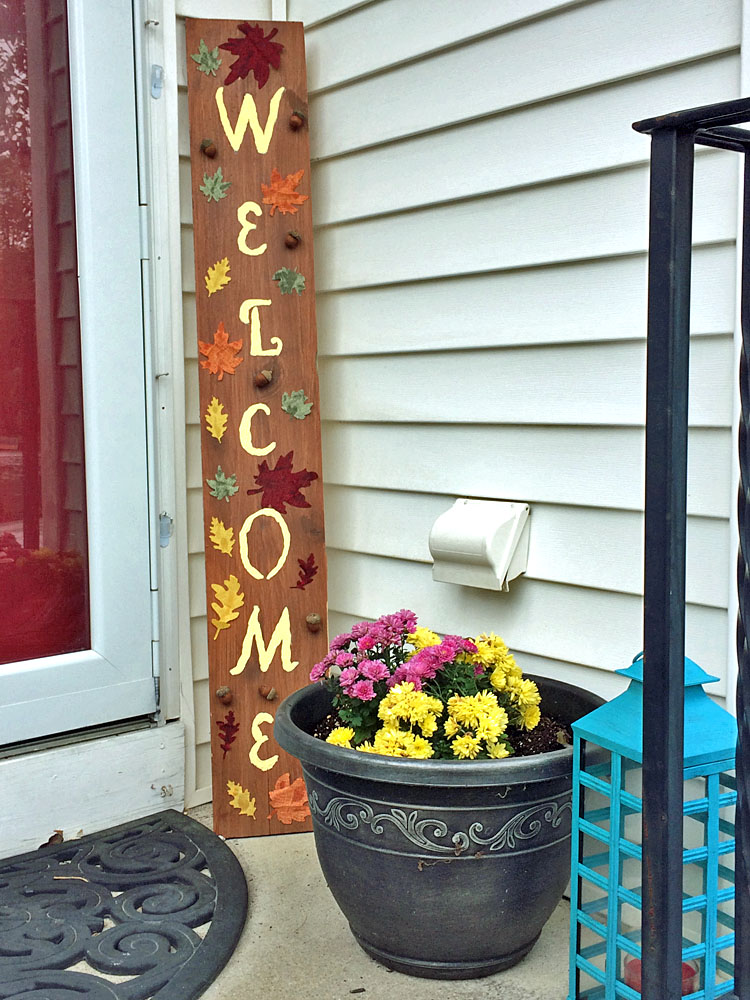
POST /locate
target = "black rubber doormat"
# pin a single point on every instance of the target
(152, 908)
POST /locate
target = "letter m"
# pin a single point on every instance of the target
(282, 637)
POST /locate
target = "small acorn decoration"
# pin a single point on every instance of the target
(263, 378)
(224, 694)
(269, 693)
(208, 148)
(292, 239)
(297, 119)
(313, 623)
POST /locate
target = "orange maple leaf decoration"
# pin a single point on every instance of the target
(281, 193)
(220, 356)
(289, 801)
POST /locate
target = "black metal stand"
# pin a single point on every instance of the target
(673, 139)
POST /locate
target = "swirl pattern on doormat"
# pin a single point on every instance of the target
(149, 909)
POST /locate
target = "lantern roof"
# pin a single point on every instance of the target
(710, 731)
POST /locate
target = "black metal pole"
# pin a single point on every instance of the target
(664, 576)
(742, 825)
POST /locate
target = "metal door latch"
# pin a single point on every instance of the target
(166, 524)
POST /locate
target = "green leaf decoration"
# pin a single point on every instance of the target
(290, 280)
(223, 487)
(208, 60)
(296, 404)
(215, 188)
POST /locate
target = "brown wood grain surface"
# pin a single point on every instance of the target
(290, 317)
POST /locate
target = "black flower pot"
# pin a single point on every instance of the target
(444, 869)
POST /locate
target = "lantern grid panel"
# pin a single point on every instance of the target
(607, 814)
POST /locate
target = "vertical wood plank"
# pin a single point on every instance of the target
(268, 447)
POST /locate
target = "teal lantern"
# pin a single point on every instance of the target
(606, 898)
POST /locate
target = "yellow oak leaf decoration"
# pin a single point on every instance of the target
(239, 798)
(216, 419)
(217, 276)
(228, 600)
(221, 537)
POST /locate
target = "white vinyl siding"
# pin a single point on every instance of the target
(481, 207)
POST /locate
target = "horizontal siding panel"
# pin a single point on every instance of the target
(588, 627)
(601, 467)
(599, 549)
(195, 534)
(193, 452)
(190, 324)
(412, 27)
(584, 384)
(203, 767)
(600, 216)
(202, 711)
(589, 300)
(585, 133)
(199, 647)
(187, 257)
(314, 11)
(571, 51)
(197, 584)
(192, 400)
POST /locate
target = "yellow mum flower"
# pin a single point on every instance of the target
(451, 726)
(490, 649)
(464, 709)
(397, 743)
(466, 746)
(524, 692)
(404, 704)
(420, 639)
(497, 750)
(499, 678)
(342, 736)
(531, 716)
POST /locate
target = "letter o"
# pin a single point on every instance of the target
(245, 530)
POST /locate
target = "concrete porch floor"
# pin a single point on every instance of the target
(296, 944)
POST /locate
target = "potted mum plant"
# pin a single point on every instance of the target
(439, 780)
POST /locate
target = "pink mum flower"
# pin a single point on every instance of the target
(363, 690)
(341, 640)
(374, 670)
(348, 677)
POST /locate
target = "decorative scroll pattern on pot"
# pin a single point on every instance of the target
(539, 822)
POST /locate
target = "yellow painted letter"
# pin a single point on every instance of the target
(263, 764)
(249, 314)
(249, 116)
(246, 430)
(246, 226)
(245, 531)
(282, 636)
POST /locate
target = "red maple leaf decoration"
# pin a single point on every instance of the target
(288, 799)
(228, 729)
(220, 356)
(281, 486)
(307, 570)
(254, 52)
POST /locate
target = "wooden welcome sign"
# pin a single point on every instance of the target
(260, 424)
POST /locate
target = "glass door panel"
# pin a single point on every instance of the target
(43, 536)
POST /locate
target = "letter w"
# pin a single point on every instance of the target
(249, 116)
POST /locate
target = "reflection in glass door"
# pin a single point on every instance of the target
(43, 543)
